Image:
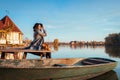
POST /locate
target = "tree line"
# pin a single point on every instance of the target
(112, 39)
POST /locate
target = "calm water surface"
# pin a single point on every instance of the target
(85, 52)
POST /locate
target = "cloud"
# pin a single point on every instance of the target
(51, 27)
(57, 26)
(108, 29)
(111, 30)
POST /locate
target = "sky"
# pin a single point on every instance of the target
(66, 20)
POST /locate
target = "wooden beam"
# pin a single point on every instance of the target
(23, 50)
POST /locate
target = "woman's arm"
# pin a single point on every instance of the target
(42, 33)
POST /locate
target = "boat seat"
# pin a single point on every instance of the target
(59, 65)
(92, 61)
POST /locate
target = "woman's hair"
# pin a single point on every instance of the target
(36, 25)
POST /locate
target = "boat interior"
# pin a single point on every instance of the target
(62, 61)
(77, 61)
(59, 62)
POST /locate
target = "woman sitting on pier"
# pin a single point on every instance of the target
(39, 34)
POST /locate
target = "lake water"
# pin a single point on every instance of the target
(85, 52)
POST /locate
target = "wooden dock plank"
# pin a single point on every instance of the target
(23, 50)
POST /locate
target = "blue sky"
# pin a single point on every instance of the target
(67, 20)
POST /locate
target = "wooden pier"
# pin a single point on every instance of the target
(15, 51)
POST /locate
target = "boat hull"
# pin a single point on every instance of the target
(56, 72)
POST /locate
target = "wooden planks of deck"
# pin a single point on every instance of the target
(15, 52)
(23, 50)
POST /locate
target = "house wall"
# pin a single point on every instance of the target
(12, 38)
(2, 41)
(2, 38)
(20, 38)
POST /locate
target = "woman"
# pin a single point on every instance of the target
(39, 34)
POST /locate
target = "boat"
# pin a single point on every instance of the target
(34, 69)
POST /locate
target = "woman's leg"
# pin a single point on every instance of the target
(40, 45)
(31, 44)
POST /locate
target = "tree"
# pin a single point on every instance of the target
(113, 39)
(56, 42)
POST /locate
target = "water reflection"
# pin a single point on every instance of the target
(113, 51)
(84, 46)
(111, 75)
(56, 48)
